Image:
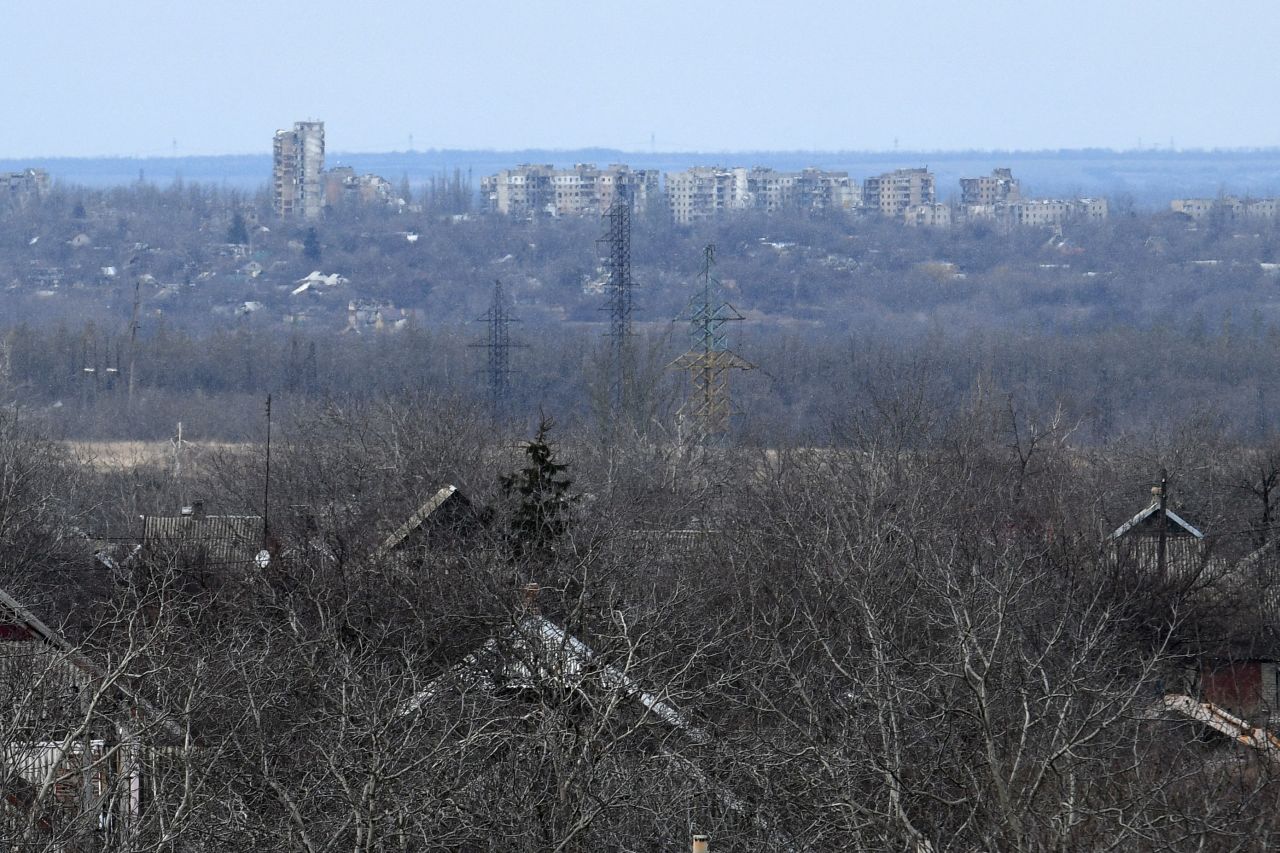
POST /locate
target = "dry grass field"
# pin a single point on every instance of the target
(127, 455)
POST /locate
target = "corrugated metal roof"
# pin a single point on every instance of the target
(222, 539)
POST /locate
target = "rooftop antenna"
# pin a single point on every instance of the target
(709, 358)
(617, 244)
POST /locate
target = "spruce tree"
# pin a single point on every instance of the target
(311, 245)
(238, 233)
(543, 502)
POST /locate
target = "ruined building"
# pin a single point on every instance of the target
(894, 193)
(297, 176)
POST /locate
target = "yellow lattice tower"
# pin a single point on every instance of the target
(710, 361)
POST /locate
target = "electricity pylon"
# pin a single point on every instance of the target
(617, 244)
(498, 345)
(709, 359)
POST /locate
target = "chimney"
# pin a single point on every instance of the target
(701, 844)
(531, 591)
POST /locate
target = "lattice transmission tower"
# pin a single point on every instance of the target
(709, 359)
(618, 288)
(498, 345)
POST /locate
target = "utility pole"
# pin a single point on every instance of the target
(709, 358)
(266, 482)
(133, 336)
(617, 245)
(1164, 521)
(177, 464)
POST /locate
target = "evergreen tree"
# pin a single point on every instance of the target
(543, 509)
(311, 245)
(238, 233)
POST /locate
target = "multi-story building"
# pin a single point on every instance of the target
(997, 188)
(894, 192)
(580, 190)
(522, 190)
(707, 191)
(701, 192)
(935, 214)
(20, 186)
(342, 186)
(1226, 207)
(642, 186)
(1196, 208)
(1052, 211)
(297, 181)
(822, 190)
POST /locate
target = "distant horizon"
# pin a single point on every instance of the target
(1147, 176)
(667, 152)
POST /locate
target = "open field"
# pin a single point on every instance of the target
(128, 455)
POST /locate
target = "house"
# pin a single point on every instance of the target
(196, 540)
(1160, 539)
(536, 656)
(79, 745)
(1233, 664)
(445, 518)
(316, 279)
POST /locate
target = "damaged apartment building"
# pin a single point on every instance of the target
(704, 192)
(583, 189)
(302, 187)
(297, 183)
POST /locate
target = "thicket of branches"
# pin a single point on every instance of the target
(913, 642)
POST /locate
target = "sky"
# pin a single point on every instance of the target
(161, 77)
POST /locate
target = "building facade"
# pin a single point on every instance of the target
(342, 187)
(997, 188)
(1226, 207)
(935, 214)
(699, 193)
(704, 192)
(298, 173)
(1052, 212)
(894, 192)
(24, 185)
(583, 189)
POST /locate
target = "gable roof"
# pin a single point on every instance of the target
(23, 626)
(548, 651)
(430, 510)
(1146, 519)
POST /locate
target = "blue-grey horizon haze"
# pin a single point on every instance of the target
(144, 78)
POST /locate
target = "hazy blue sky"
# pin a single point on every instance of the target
(129, 77)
